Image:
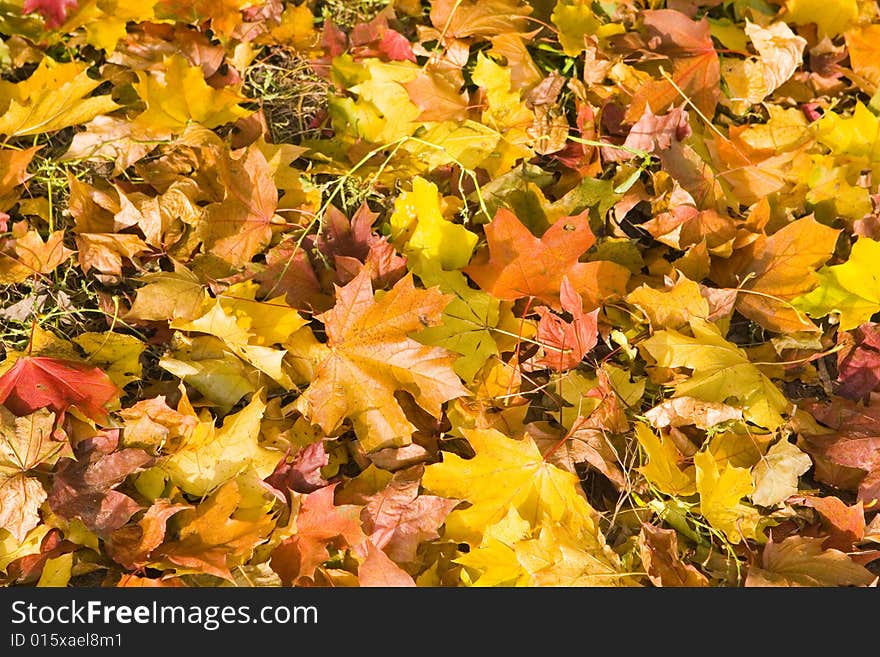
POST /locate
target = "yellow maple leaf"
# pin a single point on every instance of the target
(383, 112)
(575, 20)
(210, 457)
(55, 96)
(495, 560)
(830, 21)
(561, 555)
(850, 290)
(271, 321)
(721, 492)
(470, 322)
(178, 95)
(504, 474)
(12, 548)
(105, 21)
(115, 353)
(672, 307)
(297, 28)
(207, 364)
(662, 468)
(420, 230)
(722, 372)
(506, 109)
(854, 137)
(247, 327)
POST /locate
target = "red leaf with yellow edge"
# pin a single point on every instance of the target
(42, 382)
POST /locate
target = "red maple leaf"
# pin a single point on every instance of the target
(40, 382)
(566, 343)
(858, 363)
(320, 523)
(54, 12)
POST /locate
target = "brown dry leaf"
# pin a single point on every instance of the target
(13, 172)
(378, 569)
(105, 251)
(397, 519)
(131, 545)
(479, 18)
(845, 524)
(858, 361)
(589, 445)
(685, 225)
(849, 456)
(288, 271)
(27, 255)
(25, 443)
(801, 561)
(112, 139)
(211, 539)
(653, 133)
(302, 473)
(151, 423)
(660, 558)
(20, 500)
(239, 226)
(776, 269)
(780, 50)
(85, 489)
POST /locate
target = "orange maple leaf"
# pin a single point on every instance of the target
(517, 264)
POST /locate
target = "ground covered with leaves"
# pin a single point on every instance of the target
(439, 293)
